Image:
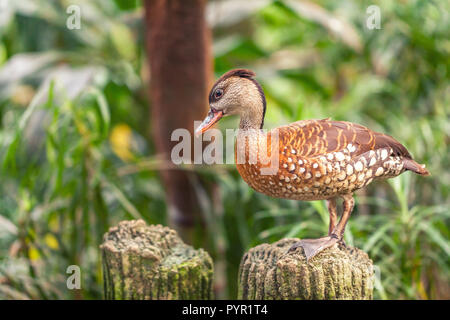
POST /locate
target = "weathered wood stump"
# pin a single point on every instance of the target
(152, 262)
(269, 272)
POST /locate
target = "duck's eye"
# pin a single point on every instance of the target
(218, 93)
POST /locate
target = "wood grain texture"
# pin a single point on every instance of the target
(150, 262)
(267, 272)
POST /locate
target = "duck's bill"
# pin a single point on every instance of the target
(210, 120)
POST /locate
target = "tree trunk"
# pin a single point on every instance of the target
(178, 48)
(151, 262)
(268, 272)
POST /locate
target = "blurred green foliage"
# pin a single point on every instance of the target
(76, 156)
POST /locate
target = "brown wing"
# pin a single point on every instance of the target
(317, 137)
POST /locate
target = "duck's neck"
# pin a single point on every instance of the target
(253, 120)
(255, 110)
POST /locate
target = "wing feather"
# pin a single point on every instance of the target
(317, 137)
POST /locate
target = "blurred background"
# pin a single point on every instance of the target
(85, 116)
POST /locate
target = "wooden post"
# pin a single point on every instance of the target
(269, 272)
(152, 262)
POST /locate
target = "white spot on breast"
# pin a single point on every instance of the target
(327, 180)
(307, 175)
(301, 170)
(289, 159)
(372, 161)
(341, 175)
(349, 169)
(358, 166)
(300, 162)
(361, 177)
(306, 188)
(384, 154)
(315, 165)
(284, 165)
(287, 179)
(293, 151)
(318, 174)
(379, 171)
(329, 167)
(340, 156)
(330, 156)
(292, 167)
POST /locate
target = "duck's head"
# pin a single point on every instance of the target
(236, 92)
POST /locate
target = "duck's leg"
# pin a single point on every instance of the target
(349, 203)
(311, 247)
(332, 210)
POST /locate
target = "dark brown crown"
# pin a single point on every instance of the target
(242, 73)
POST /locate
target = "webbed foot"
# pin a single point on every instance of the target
(312, 247)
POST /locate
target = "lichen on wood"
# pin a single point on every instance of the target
(151, 262)
(339, 272)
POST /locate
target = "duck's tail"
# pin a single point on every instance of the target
(410, 164)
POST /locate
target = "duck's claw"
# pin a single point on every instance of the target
(342, 242)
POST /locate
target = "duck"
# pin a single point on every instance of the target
(317, 159)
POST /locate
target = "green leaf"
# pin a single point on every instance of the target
(436, 237)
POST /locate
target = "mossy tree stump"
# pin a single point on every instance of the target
(269, 272)
(152, 262)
